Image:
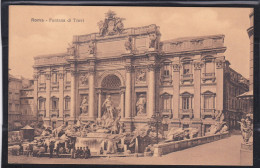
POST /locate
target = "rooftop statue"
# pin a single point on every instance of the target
(111, 25)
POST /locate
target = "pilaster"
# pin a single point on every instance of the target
(35, 95)
(61, 95)
(122, 103)
(73, 92)
(128, 91)
(48, 93)
(197, 89)
(220, 83)
(91, 101)
(99, 104)
(176, 90)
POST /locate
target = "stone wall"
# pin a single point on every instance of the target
(165, 148)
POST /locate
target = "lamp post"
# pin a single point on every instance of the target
(156, 121)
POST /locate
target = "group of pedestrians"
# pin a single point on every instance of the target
(81, 152)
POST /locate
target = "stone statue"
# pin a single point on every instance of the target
(109, 108)
(246, 127)
(153, 41)
(72, 49)
(111, 25)
(128, 44)
(140, 105)
(91, 47)
(84, 106)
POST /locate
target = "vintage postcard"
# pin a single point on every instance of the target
(130, 85)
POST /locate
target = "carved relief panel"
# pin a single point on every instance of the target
(140, 76)
(83, 79)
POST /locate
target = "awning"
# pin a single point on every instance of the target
(246, 95)
(27, 127)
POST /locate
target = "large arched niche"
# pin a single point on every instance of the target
(111, 82)
(111, 75)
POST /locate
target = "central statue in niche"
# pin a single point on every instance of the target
(110, 118)
(108, 113)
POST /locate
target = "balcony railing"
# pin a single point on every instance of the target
(186, 77)
(186, 112)
(66, 113)
(41, 113)
(167, 113)
(208, 112)
(208, 76)
(54, 113)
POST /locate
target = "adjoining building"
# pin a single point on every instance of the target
(186, 80)
(14, 114)
(27, 102)
(248, 97)
(20, 102)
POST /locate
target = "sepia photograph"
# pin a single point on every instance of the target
(106, 85)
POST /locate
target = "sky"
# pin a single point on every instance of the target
(29, 39)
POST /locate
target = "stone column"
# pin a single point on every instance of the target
(122, 103)
(48, 93)
(128, 91)
(151, 90)
(176, 90)
(35, 95)
(99, 104)
(220, 84)
(91, 100)
(197, 90)
(61, 95)
(73, 93)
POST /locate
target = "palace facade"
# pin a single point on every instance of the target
(188, 81)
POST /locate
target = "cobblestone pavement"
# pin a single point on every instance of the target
(222, 152)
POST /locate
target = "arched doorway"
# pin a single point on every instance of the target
(111, 86)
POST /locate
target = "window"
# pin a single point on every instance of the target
(10, 106)
(55, 103)
(42, 78)
(54, 77)
(186, 68)
(54, 124)
(166, 70)
(166, 102)
(41, 104)
(68, 76)
(209, 100)
(17, 107)
(209, 67)
(185, 126)
(186, 101)
(67, 103)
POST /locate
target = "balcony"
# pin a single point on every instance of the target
(208, 76)
(42, 87)
(66, 113)
(41, 113)
(208, 112)
(186, 78)
(186, 112)
(54, 113)
(167, 113)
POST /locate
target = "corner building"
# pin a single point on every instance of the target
(182, 79)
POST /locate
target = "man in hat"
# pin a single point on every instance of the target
(51, 148)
